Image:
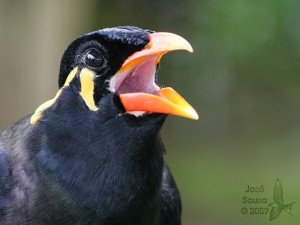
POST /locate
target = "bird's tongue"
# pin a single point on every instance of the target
(135, 81)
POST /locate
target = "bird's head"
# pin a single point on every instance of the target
(121, 61)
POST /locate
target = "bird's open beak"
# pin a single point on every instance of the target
(135, 81)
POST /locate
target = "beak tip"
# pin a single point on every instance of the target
(190, 50)
(164, 41)
(193, 115)
(196, 117)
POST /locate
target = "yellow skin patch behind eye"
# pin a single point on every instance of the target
(87, 88)
(87, 93)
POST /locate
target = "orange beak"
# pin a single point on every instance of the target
(135, 81)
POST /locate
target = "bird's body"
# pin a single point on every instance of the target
(81, 158)
(32, 192)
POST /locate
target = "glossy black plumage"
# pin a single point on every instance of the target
(78, 166)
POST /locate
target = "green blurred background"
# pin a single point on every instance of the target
(243, 79)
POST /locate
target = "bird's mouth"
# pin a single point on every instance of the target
(135, 81)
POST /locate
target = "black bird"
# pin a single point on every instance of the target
(93, 154)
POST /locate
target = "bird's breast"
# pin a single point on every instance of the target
(112, 172)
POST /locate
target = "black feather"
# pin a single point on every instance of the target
(77, 166)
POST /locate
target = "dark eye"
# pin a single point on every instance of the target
(93, 58)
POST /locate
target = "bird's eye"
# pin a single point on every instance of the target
(93, 58)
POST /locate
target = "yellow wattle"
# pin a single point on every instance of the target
(86, 92)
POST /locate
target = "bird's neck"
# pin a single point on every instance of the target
(110, 173)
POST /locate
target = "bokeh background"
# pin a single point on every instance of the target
(243, 79)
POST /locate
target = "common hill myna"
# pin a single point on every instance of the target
(93, 154)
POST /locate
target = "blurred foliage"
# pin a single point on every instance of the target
(243, 79)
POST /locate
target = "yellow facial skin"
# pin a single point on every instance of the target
(87, 92)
